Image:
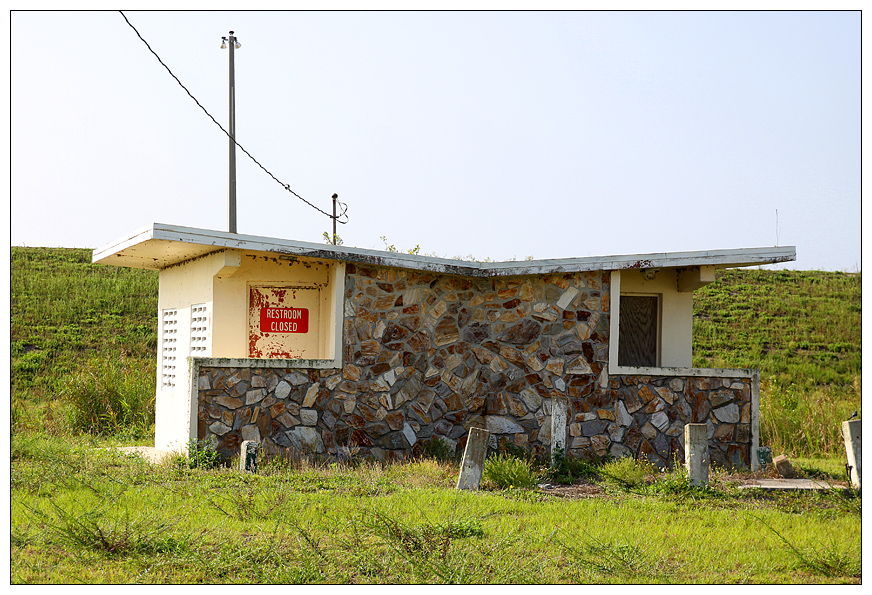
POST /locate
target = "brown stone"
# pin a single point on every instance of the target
(522, 333)
(419, 342)
(724, 432)
(446, 332)
(701, 408)
(229, 402)
(353, 420)
(395, 420)
(359, 438)
(515, 406)
(496, 405)
(632, 402)
(393, 333)
(783, 467)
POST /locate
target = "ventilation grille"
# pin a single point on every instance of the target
(169, 333)
(199, 329)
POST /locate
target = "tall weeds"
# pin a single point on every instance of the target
(111, 396)
(805, 422)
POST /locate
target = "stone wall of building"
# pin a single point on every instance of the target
(433, 355)
(650, 413)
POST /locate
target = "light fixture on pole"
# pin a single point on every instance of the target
(231, 192)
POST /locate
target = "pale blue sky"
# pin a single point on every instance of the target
(492, 134)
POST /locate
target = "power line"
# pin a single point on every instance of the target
(269, 173)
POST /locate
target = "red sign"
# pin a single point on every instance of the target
(284, 320)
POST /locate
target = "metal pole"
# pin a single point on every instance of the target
(335, 196)
(231, 196)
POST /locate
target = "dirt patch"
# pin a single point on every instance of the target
(583, 488)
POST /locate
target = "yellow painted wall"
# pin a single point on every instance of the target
(676, 314)
(222, 280)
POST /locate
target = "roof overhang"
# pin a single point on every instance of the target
(159, 246)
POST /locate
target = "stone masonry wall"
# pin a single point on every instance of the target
(651, 412)
(433, 355)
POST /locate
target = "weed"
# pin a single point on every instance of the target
(626, 473)
(202, 454)
(114, 535)
(506, 471)
(110, 396)
(439, 449)
(829, 561)
(566, 470)
(621, 560)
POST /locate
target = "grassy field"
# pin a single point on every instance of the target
(90, 516)
(82, 513)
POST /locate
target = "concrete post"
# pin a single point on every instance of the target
(559, 413)
(696, 456)
(851, 433)
(473, 459)
(248, 456)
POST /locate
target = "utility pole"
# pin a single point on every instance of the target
(231, 192)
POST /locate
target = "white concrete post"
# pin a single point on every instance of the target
(559, 413)
(473, 459)
(851, 433)
(696, 456)
(248, 456)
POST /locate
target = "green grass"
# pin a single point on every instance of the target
(66, 311)
(102, 517)
(796, 327)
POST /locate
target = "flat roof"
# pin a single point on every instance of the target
(160, 245)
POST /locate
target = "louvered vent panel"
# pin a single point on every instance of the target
(169, 333)
(199, 329)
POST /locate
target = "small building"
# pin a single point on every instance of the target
(332, 350)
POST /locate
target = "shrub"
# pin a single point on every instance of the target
(626, 473)
(110, 395)
(202, 454)
(438, 449)
(507, 471)
(565, 470)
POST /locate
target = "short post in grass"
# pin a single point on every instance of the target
(248, 456)
(559, 413)
(696, 455)
(851, 433)
(473, 459)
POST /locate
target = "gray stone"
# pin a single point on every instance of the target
(498, 424)
(218, 428)
(531, 399)
(306, 439)
(621, 414)
(727, 414)
(660, 421)
(309, 417)
(250, 433)
(254, 396)
(721, 398)
(283, 389)
(409, 433)
(296, 379)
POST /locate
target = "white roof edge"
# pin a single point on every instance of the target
(141, 235)
(219, 239)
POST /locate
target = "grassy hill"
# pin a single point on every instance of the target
(800, 328)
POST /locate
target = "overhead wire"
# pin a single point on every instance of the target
(287, 187)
